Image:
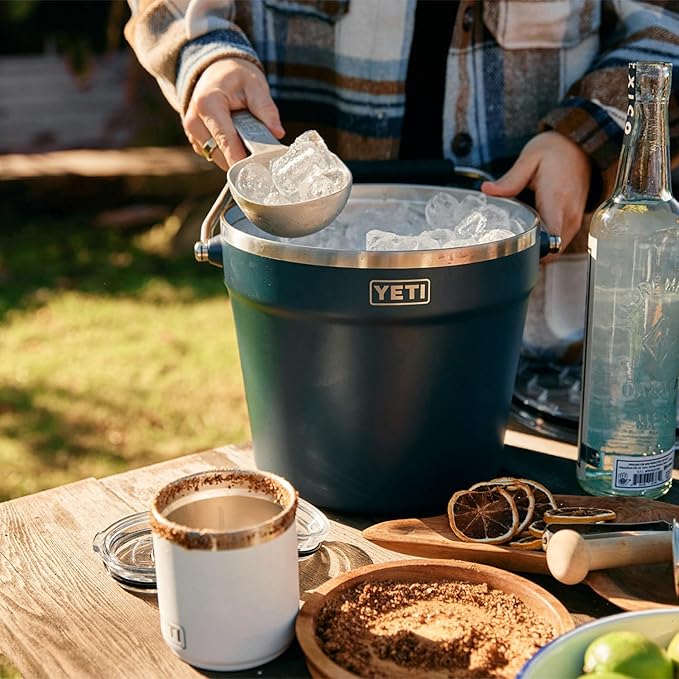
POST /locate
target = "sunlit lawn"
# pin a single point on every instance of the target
(113, 354)
(92, 385)
(7, 671)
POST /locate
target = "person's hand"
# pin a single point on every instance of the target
(559, 172)
(224, 86)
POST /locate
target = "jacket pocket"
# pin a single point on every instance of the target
(330, 11)
(541, 24)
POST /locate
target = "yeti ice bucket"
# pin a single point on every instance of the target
(377, 381)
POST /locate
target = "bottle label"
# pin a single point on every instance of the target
(631, 96)
(591, 245)
(632, 472)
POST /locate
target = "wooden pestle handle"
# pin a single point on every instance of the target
(570, 557)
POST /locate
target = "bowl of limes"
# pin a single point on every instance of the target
(637, 645)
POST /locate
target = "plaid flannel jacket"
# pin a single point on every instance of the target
(515, 67)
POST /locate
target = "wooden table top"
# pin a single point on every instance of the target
(62, 615)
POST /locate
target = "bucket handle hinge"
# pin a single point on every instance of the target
(209, 247)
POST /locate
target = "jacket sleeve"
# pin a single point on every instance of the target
(593, 112)
(176, 40)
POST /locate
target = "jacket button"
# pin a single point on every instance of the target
(462, 144)
(468, 18)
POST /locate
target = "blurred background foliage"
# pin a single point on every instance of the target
(117, 349)
(115, 352)
(80, 32)
(75, 29)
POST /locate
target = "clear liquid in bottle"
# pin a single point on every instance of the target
(631, 362)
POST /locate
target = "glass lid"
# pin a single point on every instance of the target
(312, 528)
(126, 546)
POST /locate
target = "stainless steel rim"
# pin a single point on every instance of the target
(263, 246)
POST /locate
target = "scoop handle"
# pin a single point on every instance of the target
(571, 556)
(255, 134)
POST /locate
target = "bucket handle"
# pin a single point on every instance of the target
(208, 249)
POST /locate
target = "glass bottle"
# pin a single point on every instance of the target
(627, 432)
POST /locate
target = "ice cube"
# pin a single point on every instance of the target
(396, 217)
(308, 170)
(473, 203)
(425, 242)
(301, 162)
(458, 243)
(495, 234)
(328, 182)
(496, 217)
(312, 137)
(255, 182)
(471, 226)
(441, 236)
(400, 225)
(385, 240)
(276, 198)
(442, 210)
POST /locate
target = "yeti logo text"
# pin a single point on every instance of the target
(400, 292)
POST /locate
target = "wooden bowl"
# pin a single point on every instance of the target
(538, 600)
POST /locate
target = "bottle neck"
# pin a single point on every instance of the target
(644, 169)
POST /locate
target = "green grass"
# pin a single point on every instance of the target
(93, 385)
(7, 670)
(114, 354)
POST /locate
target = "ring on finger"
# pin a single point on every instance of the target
(208, 148)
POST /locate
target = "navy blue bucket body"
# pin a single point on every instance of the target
(379, 382)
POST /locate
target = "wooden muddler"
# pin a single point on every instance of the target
(570, 556)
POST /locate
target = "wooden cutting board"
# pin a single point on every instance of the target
(631, 588)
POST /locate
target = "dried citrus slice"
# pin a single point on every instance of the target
(485, 515)
(527, 542)
(544, 499)
(578, 515)
(521, 493)
(537, 528)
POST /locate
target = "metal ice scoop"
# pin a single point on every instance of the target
(289, 220)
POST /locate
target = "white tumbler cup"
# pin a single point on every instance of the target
(225, 547)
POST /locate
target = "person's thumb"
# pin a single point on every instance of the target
(515, 180)
(261, 106)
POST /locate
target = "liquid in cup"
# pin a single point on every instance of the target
(225, 546)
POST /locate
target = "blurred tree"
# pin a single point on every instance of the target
(75, 29)
(81, 32)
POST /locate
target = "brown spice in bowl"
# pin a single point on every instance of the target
(449, 629)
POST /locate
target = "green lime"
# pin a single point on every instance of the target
(673, 649)
(605, 675)
(628, 653)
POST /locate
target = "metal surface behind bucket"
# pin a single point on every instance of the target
(379, 382)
